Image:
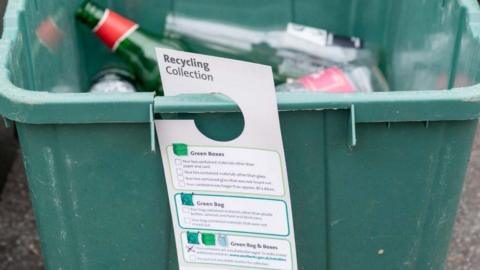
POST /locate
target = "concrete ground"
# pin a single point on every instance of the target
(465, 247)
(8, 151)
(19, 247)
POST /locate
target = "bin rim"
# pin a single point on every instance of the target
(37, 107)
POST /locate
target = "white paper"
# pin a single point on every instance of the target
(221, 193)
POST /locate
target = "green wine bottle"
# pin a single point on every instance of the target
(129, 41)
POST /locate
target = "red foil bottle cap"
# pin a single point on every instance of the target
(113, 28)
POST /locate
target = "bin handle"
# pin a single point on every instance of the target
(152, 130)
(352, 129)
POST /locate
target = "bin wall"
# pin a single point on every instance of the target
(422, 43)
(46, 53)
(100, 198)
(464, 61)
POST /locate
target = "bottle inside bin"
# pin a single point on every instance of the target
(300, 56)
(135, 46)
(113, 80)
(308, 58)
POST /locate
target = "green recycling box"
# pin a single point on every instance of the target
(375, 178)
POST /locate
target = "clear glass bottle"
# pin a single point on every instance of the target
(113, 80)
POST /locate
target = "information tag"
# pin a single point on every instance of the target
(230, 201)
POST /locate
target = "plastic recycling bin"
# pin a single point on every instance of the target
(375, 178)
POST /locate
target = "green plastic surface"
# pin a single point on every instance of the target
(389, 202)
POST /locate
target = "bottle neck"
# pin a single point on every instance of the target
(109, 26)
